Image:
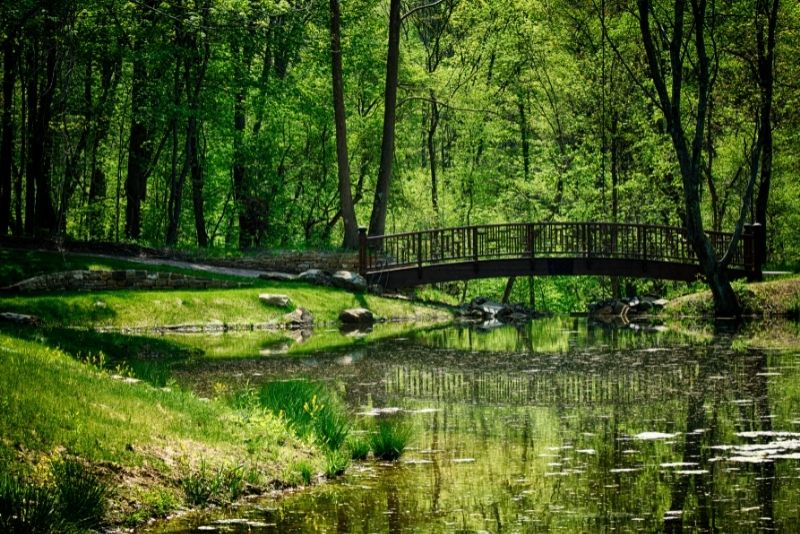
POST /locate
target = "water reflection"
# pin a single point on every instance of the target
(556, 426)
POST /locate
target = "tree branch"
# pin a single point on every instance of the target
(420, 8)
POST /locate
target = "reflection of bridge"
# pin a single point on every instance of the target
(550, 248)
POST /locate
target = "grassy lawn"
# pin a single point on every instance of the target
(151, 309)
(54, 406)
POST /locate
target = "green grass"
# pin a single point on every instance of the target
(310, 408)
(153, 309)
(53, 405)
(771, 298)
(390, 438)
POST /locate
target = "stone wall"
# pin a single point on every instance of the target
(106, 280)
(292, 261)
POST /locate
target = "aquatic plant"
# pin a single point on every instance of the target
(390, 438)
(81, 494)
(359, 448)
(336, 463)
(309, 408)
(305, 470)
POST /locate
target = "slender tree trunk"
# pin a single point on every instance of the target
(7, 125)
(239, 167)
(526, 145)
(31, 163)
(377, 223)
(138, 153)
(193, 155)
(345, 193)
(766, 83)
(433, 123)
(44, 214)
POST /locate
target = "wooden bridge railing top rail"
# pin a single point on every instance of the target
(590, 240)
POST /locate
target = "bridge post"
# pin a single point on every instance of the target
(362, 251)
(475, 247)
(530, 236)
(419, 254)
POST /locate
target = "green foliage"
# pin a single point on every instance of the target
(82, 496)
(336, 463)
(202, 485)
(390, 437)
(359, 447)
(28, 508)
(310, 408)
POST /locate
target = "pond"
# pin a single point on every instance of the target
(559, 425)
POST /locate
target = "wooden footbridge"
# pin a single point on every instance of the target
(545, 249)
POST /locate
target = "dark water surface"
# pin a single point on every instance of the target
(559, 426)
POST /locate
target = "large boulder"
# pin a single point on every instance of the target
(349, 281)
(278, 277)
(281, 301)
(357, 316)
(316, 277)
(300, 318)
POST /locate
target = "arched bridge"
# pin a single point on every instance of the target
(542, 249)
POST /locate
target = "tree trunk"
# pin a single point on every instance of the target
(44, 214)
(689, 156)
(345, 194)
(138, 154)
(432, 125)
(193, 156)
(377, 223)
(7, 142)
(526, 146)
(766, 83)
(30, 162)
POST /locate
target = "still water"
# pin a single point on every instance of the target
(557, 426)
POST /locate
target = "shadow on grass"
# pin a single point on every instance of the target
(147, 358)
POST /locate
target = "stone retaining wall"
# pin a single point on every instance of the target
(291, 261)
(105, 280)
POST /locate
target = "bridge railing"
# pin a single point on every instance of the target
(540, 240)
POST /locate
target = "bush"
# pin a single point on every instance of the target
(28, 508)
(81, 494)
(390, 438)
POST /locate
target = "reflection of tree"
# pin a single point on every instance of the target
(765, 477)
(693, 453)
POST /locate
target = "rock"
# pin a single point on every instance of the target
(278, 277)
(281, 301)
(620, 308)
(349, 281)
(660, 303)
(298, 319)
(19, 318)
(316, 277)
(357, 316)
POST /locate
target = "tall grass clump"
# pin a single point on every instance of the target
(359, 448)
(28, 508)
(310, 408)
(390, 438)
(82, 496)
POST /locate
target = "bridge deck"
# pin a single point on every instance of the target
(518, 249)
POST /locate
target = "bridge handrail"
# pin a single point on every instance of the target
(589, 240)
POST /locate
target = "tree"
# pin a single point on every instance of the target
(340, 118)
(377, 222)
(691, 35)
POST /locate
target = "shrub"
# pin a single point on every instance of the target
(390, 438)
(28, 508)
(81, 494)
